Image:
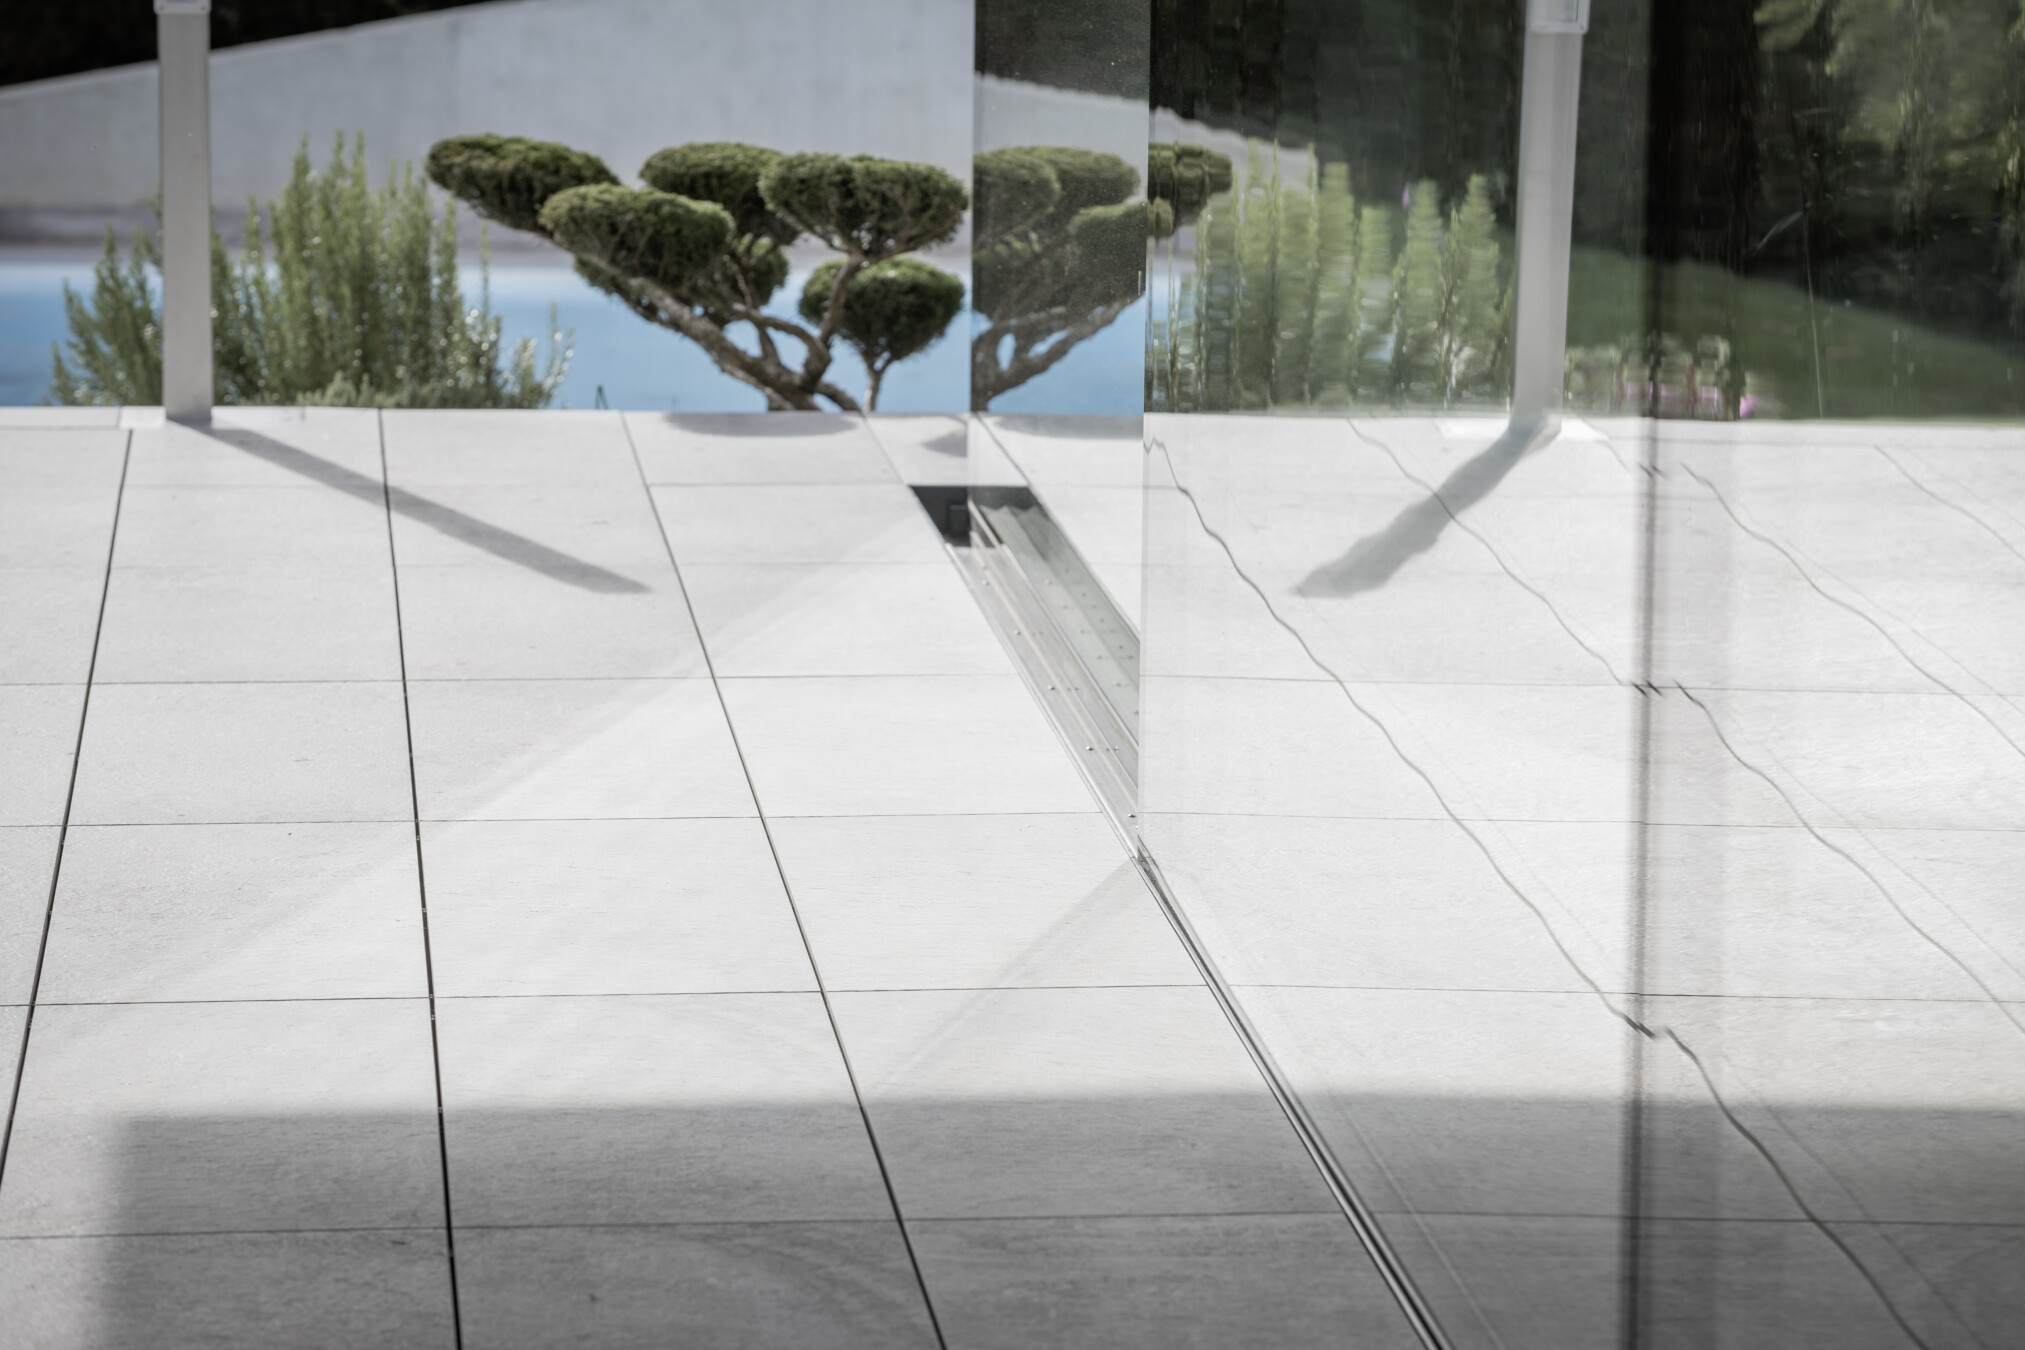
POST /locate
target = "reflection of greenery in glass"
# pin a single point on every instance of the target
(360, 305)
(1059, 253)
(1872, 364)
(1294, 299)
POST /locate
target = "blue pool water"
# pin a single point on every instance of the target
(636, 364)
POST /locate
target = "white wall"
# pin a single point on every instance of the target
(621, 78)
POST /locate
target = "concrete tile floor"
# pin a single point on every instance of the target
(1448, 852)
(786, 986)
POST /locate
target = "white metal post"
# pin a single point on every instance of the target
(1548, 99)
(183, 35)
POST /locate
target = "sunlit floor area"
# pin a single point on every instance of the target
(585, 879)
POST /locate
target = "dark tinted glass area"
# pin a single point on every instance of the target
(1808, 208)
(45, 38)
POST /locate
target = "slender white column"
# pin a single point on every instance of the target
(1548, 98)
(183, 29)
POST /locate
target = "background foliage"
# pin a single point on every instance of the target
(346, 295)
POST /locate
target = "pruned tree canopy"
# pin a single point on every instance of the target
(870, 209)
(508, 178)
(892, 309)
(727, 173)
(639, 232)
(702, 247)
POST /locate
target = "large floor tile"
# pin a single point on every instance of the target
(924, 447)
(497, 446)
(1967, 876)
(609, 907)
(1290, 1281)
(1093, 451)
(211, 1117)
(571, 749)
(250, 622)
(291, 527)
(649, 1110)
(825, 1286)
(848, 522)
(63, 418)
(1549, 1283)
(170, 912)
(165, 753)
(1949, 1279)
(1925, 761)
(57, 502)
(787, 447)
(60, 605)
(495, 621)
(966, 902)
(601, 527)
(841, 619)
(27, 865)
(12, 1021)
(264, 447)
(1469, 1101)
(1539, 753)
(1879, 1111)
(228, 1291)
(1039, 1102)
(915, 745)
(1404, 904)
(1270, 747)
(38, 724)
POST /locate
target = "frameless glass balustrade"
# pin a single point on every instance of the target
(1607, 839)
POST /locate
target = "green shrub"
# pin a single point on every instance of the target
(700, 248)
(359, 304)
(892, 310)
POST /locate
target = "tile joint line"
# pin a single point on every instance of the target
(69, 799)
(421, 891)
(766, 829)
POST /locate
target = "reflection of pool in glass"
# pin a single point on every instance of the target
(636, 364)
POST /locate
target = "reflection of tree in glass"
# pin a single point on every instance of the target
(700, 248)
(1295, 298)
(1059, 253)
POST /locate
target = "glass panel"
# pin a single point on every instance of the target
(1603, 837)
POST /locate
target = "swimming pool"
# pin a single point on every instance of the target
(636, 364)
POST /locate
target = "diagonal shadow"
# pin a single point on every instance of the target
(500, 543)
(1372, 560)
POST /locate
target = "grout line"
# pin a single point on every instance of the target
(815, 967)
(422, 896)
(63, 828)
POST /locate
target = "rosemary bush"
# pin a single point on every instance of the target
(348, 296)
